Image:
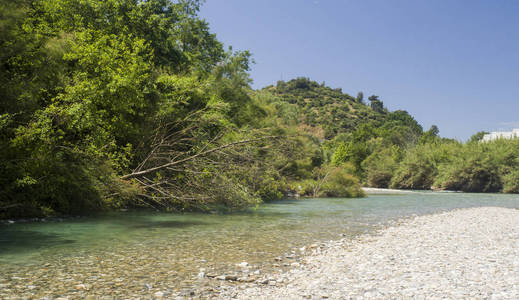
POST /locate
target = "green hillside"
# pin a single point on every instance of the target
(326, 112)
(337, 130)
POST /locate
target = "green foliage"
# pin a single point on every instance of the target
(360, 97)
(448, 165)
(381, 165)
(384, 149)
(431, 135)
(322, 111)
(353, 152)
(419, 166)
(340, 183)
(376, 104)
(85, 84)
(473, 170)
(371, 142)
(477, 137)
(95, 91)
(329, 181)
(511, 182)
(481, 167)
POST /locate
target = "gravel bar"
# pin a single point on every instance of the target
(462, 254)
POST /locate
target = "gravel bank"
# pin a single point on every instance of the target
(468, 253)
(380, 191)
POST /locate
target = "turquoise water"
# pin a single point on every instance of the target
(139, 250)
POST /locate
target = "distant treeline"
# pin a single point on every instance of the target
(450, 165)
(390, 149)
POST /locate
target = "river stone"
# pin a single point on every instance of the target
(466, 253)
(200, 275)
(231, 277)
(159, 294)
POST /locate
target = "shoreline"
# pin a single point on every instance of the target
(384, 191)
(464, 253)
(387, 191)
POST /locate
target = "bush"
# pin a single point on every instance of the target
(470, 173)
(419, 167)
(511, 182)
(475, 167)
(380, 167)
(340, 183)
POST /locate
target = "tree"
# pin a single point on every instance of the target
(353, 152)
(433, 131)
(360, 97)
(87, 84)
(430, 135)
(376, 104)
(477, 137)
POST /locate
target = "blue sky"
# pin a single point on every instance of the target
(451, 63)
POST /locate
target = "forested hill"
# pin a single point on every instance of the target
(384, 148)
(326, 112)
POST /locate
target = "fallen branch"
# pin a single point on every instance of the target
(203, 153)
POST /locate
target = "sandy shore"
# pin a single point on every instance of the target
(463, 254)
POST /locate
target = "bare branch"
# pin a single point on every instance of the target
(202, 153)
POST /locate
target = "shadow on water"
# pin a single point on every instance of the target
(285, 201)
(12, 241)
(167, 224)
(80, 232)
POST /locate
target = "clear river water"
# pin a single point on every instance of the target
(127, 254)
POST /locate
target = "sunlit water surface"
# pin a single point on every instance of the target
(137, 253)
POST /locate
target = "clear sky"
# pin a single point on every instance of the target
(452, 63)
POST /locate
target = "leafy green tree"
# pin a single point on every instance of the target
(353, 152)
(381, 165)
(360, 97)
(376, 104)
(477, 137)
(431, 135)
(87, 85)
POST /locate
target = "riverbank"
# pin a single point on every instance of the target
(466, 253)
(383, 191)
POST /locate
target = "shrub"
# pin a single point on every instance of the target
(340, 183)
(380, 167)
(472, 170)
(419, 167)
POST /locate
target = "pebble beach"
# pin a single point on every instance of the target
(462, 254)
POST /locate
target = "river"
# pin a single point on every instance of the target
(129, 254)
